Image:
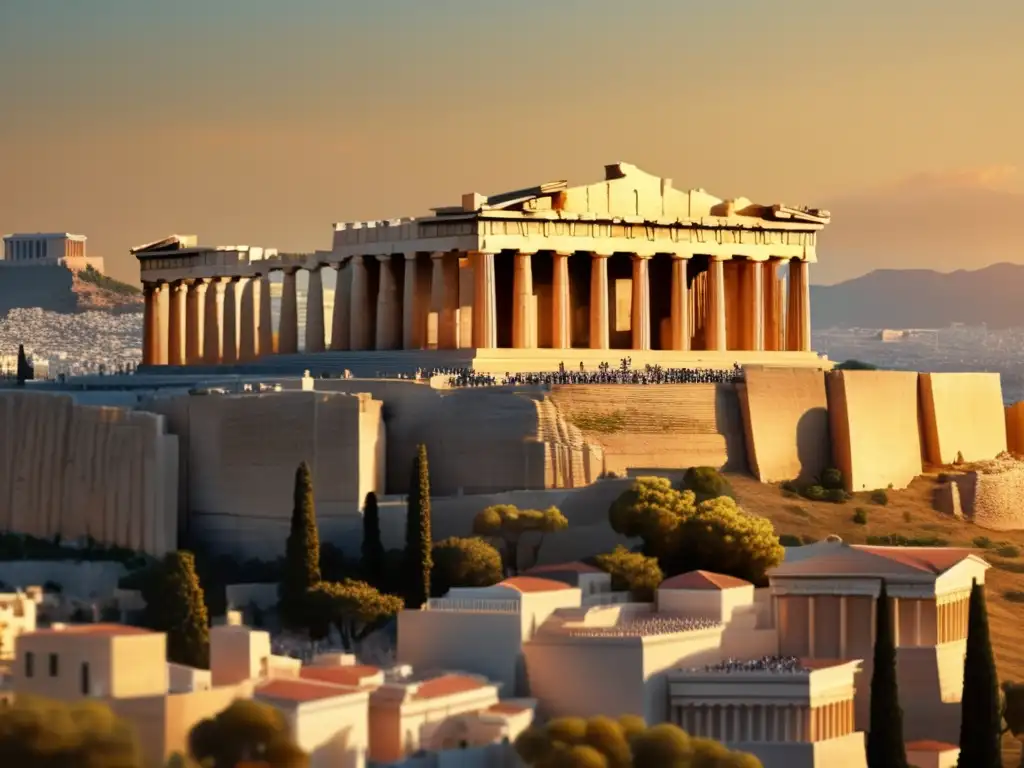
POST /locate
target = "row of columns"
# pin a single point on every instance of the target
(453, 305)
(952, 620)
(738, 723)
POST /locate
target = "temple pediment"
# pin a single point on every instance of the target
(627, 191)
(165, 245)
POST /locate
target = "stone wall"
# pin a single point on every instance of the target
(873, 419)
(664, 426)
(989, 494)
(47, 286)
(962, 417)
(785, 415)
(77, 471)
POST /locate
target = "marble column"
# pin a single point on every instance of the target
(288, 335)
(561, 303)
(177, 319)
(149, 319)
(448, 320)
(213, 337)
(163, 323)
(715, 331)
(485, 319)
(641, 316)
(522, 300)
(411, 321)
(753, 305)
(798, 320)
(389, 307)
(266, 330)
(599, 301)
(805, 307)
(229, 347)
(436, 300)
(770, 305)
(360, 328)
(195, 308)
(467, 311)
(680, 306)
(315, 311)
(249, 319)
(341, 337)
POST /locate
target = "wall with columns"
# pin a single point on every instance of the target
(785, 415)
(962, 417)
(82, 471)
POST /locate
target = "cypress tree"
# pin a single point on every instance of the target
(302, 553)
(176, 604)
(373, 549)
(981, 716)
(418, 536)
(24, 370)
(885, 747)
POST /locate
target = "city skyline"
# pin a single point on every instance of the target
(268, 127)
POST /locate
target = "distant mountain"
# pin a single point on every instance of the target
(922, 298)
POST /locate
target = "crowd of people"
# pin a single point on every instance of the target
(764, 664)
(646, 627)
(605, 374)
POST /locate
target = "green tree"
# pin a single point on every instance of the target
(418, 536)
(885, 748)
(464, 562)
(981, 721)
(633, 571)
(509, 524)
(706, 483)
(714, 535)
(36, 733)
(246, 732)
(601, 742)
(354, 607)
(175, 604)
(302, 551)
(373, 548)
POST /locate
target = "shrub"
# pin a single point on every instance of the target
(814, 493)
(860, 516)
(1007, 550)
(1014, 595)
(789, 486)
(983, 542)
(469, 562)
(632, 571)
(836, 495)
(832, 479)
(790, 540)
(896, 540)
(879, 497)
(706, 483)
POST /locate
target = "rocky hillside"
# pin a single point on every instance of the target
(96, 291)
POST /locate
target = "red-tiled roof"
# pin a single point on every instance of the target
(533, 584)
(930, 746)
(703, 580)
(98, 630)
(447, 685)
(573, 567)
(927, 559)
(297, 691)
(354, 675)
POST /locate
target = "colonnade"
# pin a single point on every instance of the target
(739, 722)
(451, 300)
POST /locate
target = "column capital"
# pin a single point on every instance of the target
(640, 256)
(676, 256)
(411, 256)
(600, 255)
(384, 257)
(438, 255)
(719, 257)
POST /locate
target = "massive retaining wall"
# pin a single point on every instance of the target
(47, 286)
(962, 417)
(663, 426)
(785, 415)
(876, 438)
(82, 471)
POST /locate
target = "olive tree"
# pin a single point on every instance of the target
(509, 525)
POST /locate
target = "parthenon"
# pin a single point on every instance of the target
(627, 263)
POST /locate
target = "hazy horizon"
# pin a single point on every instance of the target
(245, 122)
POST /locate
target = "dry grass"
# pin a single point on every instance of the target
(909, 513)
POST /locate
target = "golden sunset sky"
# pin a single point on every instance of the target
(262, 122)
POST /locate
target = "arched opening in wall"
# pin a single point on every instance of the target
(504, 278)
(579, 299)
(542, 318)
(620, 302)
(372, 291)
(697, 279)
(659, 278)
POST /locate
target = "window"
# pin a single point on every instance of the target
(30, 664)
(86, 683)
(53, 665)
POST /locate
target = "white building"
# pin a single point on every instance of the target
(60, 248)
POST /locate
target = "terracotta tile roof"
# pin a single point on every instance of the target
(927, 559)
(97, 630)
(508, 709)
(702, 580)
(297, 691)
(526, 584)
(930, 746)
(447, 685)
(573, 567)
(355, 675)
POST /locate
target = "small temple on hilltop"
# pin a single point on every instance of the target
(674, 277)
